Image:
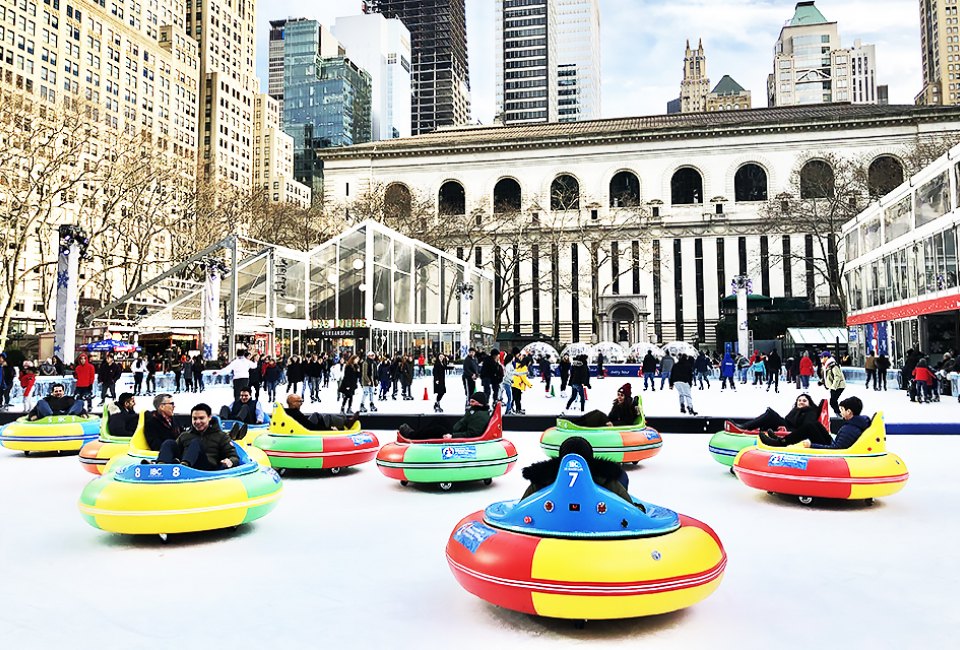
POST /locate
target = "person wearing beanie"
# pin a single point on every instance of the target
(472, 425)
(852, 428)
(605, 473)
(833, 380)
(622, 413)
(122, 419)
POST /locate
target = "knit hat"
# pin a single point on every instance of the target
(577, 445)
(480, 397)
(826, 355)
(626, 389)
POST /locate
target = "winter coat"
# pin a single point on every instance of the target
(472, 424)
(773, 363)
(923, 374)
(742, 362)
(579, 373)
(848, 434)
(216, 444)
(806, 366)
(368, 372)
(520, 379)
(758, 367)
(122, 423)
(802, 418)
(156, 430)
(313, 369)
(623, 414)
(564, 369)
(491, 371)
(85, 375)
(470, 367)
(870, 363)
(351, 376)
(728, 368)
(383, 372)
(883, 363)
(649, 363)
(702, 363)
(406, 373)
(295, 372)
(27, 379)
(440, 378)
(833, 376)
(59, 406)
(271, 372)
(666, 365)
(545, 368)
(605, 473)
(682, 372)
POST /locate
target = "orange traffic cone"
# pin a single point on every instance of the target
(426, 397)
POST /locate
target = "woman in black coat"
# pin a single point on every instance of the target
(440, 368)
(803, 423)
(348, 385)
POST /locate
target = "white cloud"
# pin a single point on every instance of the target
(643, 43)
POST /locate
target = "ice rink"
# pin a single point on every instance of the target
(357, 561)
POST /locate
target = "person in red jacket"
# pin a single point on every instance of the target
(806, 370)
(28, 377)
(922, 382)
(85, 374)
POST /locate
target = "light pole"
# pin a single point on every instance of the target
(742, 285)
(213, 269)
(465, 290)
(73, 246)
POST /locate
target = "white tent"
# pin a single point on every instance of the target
(575, 349)
(612, 352)
(541, 348)
(639, 350)
(681, 347)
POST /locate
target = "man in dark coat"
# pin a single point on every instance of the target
(774, 366)
(244, 410)
(123, 422)
(491, 372)
(203, 446)
(852, 428)
(56, 403)
(649, 368)
(159, 427)
(470, 372)
(472, 425)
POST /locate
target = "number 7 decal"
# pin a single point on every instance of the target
(573, 478)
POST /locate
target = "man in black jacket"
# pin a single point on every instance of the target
(108, 372)
(774, 366)
(491, 373)
(316, 421)
(203, 446)
(159, 427)
(124, 421)
(470, 373)
(56, 403)
(680, 379)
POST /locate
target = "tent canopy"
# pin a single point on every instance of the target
(817, 335)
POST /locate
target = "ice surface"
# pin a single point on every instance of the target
(357, 561)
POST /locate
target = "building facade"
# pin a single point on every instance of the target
(811, 67)
(275, 60)
(381, 46)
(441, 72)
(326, 99)
(273, 155)
(695, 93)
(695, 186)
(225, 33)
(728, 95)
(901, 273)
(940, 54)
(131, 70)
(578, 60)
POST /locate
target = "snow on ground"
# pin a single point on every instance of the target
(747, 401)
(357, 561)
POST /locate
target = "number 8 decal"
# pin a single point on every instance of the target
(136, 472)
(176, 472)
(573, 478)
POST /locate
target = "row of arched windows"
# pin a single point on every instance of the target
(817, 180)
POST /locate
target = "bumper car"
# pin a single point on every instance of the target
(624, 444)
(288, 445)
(577, 551)
(725, 445)
(864, 471)
(135, 499)
(446, 461)
(95, 455)
(53, 433)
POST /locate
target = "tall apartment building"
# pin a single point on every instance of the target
(547, 60)
(578, 60)
(136, 70)
(441, 71)
(326, 99)
(940, 50)
(526, 63)
(275, 60)
(273, 155)
(225, 33)
(811, 67)
(381, 46)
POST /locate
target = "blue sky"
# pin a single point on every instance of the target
(643, 43)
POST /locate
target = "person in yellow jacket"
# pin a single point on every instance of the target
(521, 382)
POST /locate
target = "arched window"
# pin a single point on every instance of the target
(884, 175)
(624, 190)
(507, 196)
(750, 183)
(816, 180)
(396, 201)
(452, 199)
(686, 187)
(565, 193)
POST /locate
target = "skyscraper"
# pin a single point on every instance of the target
(225, 32)
(578, 60)
(441, 73)
(811, 67)
(381, 46)
(695, 84)
(548, 60)
(275, 62)
(326, 99)
(938, 33)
